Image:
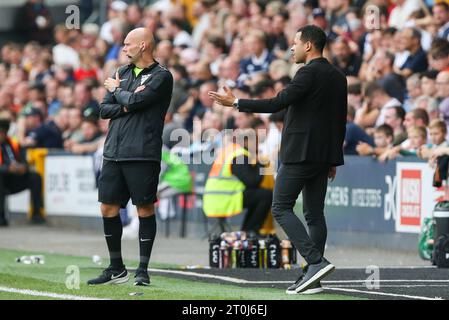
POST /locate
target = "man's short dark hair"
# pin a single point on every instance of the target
(261, 86)
(355, 88)
(400, 112)
(416, 33)
(256, 122)
(443, 5)
(372, 88)
(422, 114)
(390, 57)
(439, 49)
(386, 129)
(315, 35)
(4, 125)
(429, 74)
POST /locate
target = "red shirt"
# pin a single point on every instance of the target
(81, 74)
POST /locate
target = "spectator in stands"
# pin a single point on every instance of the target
(197, 107)
(91, 139)
(276, 39)
(85, 101)
(16, 176)
(214, 52)
(116, 10)
(377, 101)
(417, 117)
(381, 70)
(34, 21)
(417, 60)
(402, 12)
(180, 37)
(43, 134)
(428, 79)
(413, 84)
(383, 141)
(229, 73)
(259, 57)
(430, 105)
(63, 54)
(418, 138)
(354, 134)
(394, 117)
(134, 15)
(439, 55)
(441, 19)
(342, 57)
(118, 34)
(437, 132)
(73, 132)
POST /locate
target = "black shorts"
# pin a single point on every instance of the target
(121, 180)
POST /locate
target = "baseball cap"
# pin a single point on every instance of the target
(31, 111)
(318, 12)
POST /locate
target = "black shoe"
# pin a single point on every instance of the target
(314, 289)
(110, 276)
(141, 278)
(315, 272)
(37, 219)
(3, 222)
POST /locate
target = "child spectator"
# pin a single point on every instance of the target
(437, 131)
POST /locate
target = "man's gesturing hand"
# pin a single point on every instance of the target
(111, 84)
(226, 99)
(332, 173)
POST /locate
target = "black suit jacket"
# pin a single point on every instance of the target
(315, 121)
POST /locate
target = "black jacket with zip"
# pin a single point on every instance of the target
(136, 135)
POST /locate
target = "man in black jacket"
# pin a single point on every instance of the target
(312, 147)
(136, 102)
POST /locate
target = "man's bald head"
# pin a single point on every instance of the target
(139, 44)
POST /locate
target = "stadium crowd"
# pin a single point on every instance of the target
(395, 56)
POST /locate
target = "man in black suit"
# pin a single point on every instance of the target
(311, 149)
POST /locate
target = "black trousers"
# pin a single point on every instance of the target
(13, 183)
(258, 203)
(311, 179)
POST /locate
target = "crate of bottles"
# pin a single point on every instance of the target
(239, 249)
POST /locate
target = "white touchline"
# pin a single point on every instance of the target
(199, 275)
(383, 294)
(391, 285)
(242, 281)
(46, 294)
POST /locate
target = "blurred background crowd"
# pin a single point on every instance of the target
(395, 55)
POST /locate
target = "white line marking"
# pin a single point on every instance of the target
(383, 294)
(200, 275)
(46, 294)
(390, 267)
(243, 281)
(391, 286)
(389, 280)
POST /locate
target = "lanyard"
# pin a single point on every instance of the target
(10, 153)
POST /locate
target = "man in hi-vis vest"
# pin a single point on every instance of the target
(15, 175)
(233, 184)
